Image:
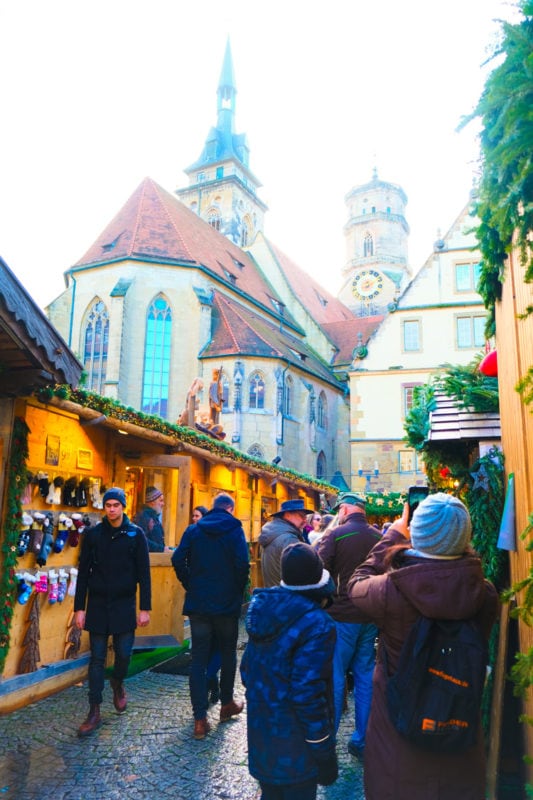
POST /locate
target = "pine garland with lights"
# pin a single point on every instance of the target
(152, 422)
(16, 481)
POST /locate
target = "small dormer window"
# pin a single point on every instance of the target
(279, 307)
(200, 177)
(230, 277)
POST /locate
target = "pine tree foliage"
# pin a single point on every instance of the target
(505, 194)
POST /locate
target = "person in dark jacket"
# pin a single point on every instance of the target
(285, 527)
(429, 570)
(287, 671)
(342, 549)
(114, 560)
(149, 519)
(212, 564)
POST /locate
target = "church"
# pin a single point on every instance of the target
(183, 308)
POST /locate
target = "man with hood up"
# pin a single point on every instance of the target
(212, 564)
(287, 671)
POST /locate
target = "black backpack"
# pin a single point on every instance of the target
(434, 697)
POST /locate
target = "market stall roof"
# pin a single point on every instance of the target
(32, 353)
(448, 421)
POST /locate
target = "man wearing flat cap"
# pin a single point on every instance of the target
(343, 549)
(283, 529)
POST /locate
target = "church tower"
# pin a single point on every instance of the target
(222, 190)
(376, 267)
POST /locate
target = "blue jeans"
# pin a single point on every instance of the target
(295, 791)
(122, 647)
(209, 632)
(355, 651)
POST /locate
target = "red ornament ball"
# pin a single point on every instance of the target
(489, 365)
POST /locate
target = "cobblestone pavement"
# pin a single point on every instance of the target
(148, 752)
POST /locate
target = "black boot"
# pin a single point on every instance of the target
(92, 722)
(214, 690)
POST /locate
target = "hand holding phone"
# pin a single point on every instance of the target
(415, 496)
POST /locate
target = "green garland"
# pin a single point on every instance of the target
(16, 482)
(386, 504)
(111, 408)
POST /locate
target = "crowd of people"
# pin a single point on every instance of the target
(339, 598)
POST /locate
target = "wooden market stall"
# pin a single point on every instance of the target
(74, 452)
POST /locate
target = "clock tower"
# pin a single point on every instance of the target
(376, 267)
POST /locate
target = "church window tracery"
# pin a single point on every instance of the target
(368, 245)
(156, 377)
(95, 346)
(256, 397)
(322, 411)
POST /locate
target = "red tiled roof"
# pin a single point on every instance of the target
(239, 331)
(153, 225)
(345, 335)
(321, 305)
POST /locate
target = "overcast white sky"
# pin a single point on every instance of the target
(95, 96)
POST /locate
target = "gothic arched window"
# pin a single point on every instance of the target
(368, 245)
(246, 231)
(322, 411)
(214, 218)
(156, 378)
(288, 398)
(256, 451)
(225, 393)
(95, 346)
(256, 396)
(321, 466)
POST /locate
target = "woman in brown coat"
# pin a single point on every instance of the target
(436, 575)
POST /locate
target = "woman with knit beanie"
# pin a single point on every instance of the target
(428, 570)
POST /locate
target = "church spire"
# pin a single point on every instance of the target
(226, 94)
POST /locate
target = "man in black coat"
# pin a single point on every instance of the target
(113, 561)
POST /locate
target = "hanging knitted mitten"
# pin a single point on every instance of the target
(44, 484)
(41, 582)
(25, 587)
(79, 525)
(62, 585)
(64, 523)
(37, 532)
(55, 490)
(71, 591)
(24, 538)
(69, 489)
(53, 587)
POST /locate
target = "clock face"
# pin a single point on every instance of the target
(367, 284)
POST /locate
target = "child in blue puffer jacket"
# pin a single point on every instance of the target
(287, 671)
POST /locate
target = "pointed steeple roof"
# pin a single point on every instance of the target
(154, 226)
(222, 143)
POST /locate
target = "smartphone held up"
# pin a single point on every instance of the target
(415, 496)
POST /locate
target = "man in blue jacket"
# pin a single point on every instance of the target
(212, 564)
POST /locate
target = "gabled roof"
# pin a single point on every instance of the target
(321, 305)
(449, 422)
(239, 331)
(32, 353)
(154, 226)
(350, 334)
